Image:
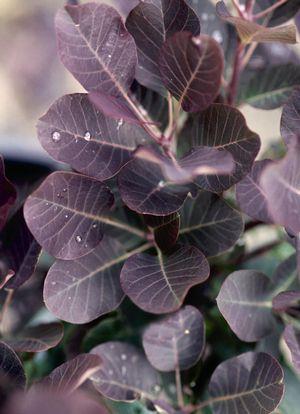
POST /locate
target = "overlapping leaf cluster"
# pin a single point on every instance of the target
(152, 150)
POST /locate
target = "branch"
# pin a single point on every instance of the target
(233, 85)
(269, 9)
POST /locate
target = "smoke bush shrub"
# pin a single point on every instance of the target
(161, 170)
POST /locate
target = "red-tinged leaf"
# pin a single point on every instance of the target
(81, 290)
(191, 69)
(49, 403)
(252, 32)
(69, 376)
(8, 195)
(143, 189)
(251, 197)
(199, 161)
(290, 120)
(125, 374)
(113, 107)
(286, 300)
(12, 375)
(65, 214)
(96, 48)
(176, 341)
(210, 224)
(151, 23)
(165, 229)
(291, 336)
(281, 183)
(245, 301)
(223, 127)
(73, 131)
(251, 383)
(37, 338)
(159, 284)
(19, 250)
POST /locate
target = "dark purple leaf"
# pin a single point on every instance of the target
(286, 300)
(245, 301)
(292, 337)
(191, 69)
(95, 47)
(176, 341)
(49, 403)
(143, 189)
(290, 119)
(165, 229)
(151, 23)
(113, 107)
(199, 161)
(281, 183)
(19, 250)
(125, 373)
(81, 290)
(210, 224)
(251, 383)
(73, 131)
(159, 284)
(8, 195)
(251, 197)
(281, 14)
(12, 375)
(250, 31)
(285, 274)
(37, 338)
(66, 213)
(222, 127)
(270, 87)
(69, 376)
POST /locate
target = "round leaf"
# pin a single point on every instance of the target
(176, 341)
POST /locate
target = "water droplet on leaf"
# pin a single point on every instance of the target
(56, 136)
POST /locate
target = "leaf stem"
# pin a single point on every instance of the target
(179, 387)
(6, 304)
(237, 6)
(233, 85)
(170, 128)
(123, 226)
(269, 9)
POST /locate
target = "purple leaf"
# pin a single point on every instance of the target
(37, 338)
(210, 224)
(222, 127)
(8, 195)
(151, 23)
(73, 131)
(159, 284)
(191, 69)
(49, 403)
(81, 290)
(12, 375)
(199, 161)
(251, 383)
(66, 213)
(285, 274)
(292, 338)
(143, 189)
(165, 229)
(95, 47)
(69, 376)
(125, 374)
(251, 197)
(245, 301)
(113, 107)
(290, 119)
(281, 183)
(286, 300)
(19, 250)
(176, 341)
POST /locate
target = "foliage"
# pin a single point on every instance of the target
(144, 227)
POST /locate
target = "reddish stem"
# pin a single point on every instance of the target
(233, 85)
